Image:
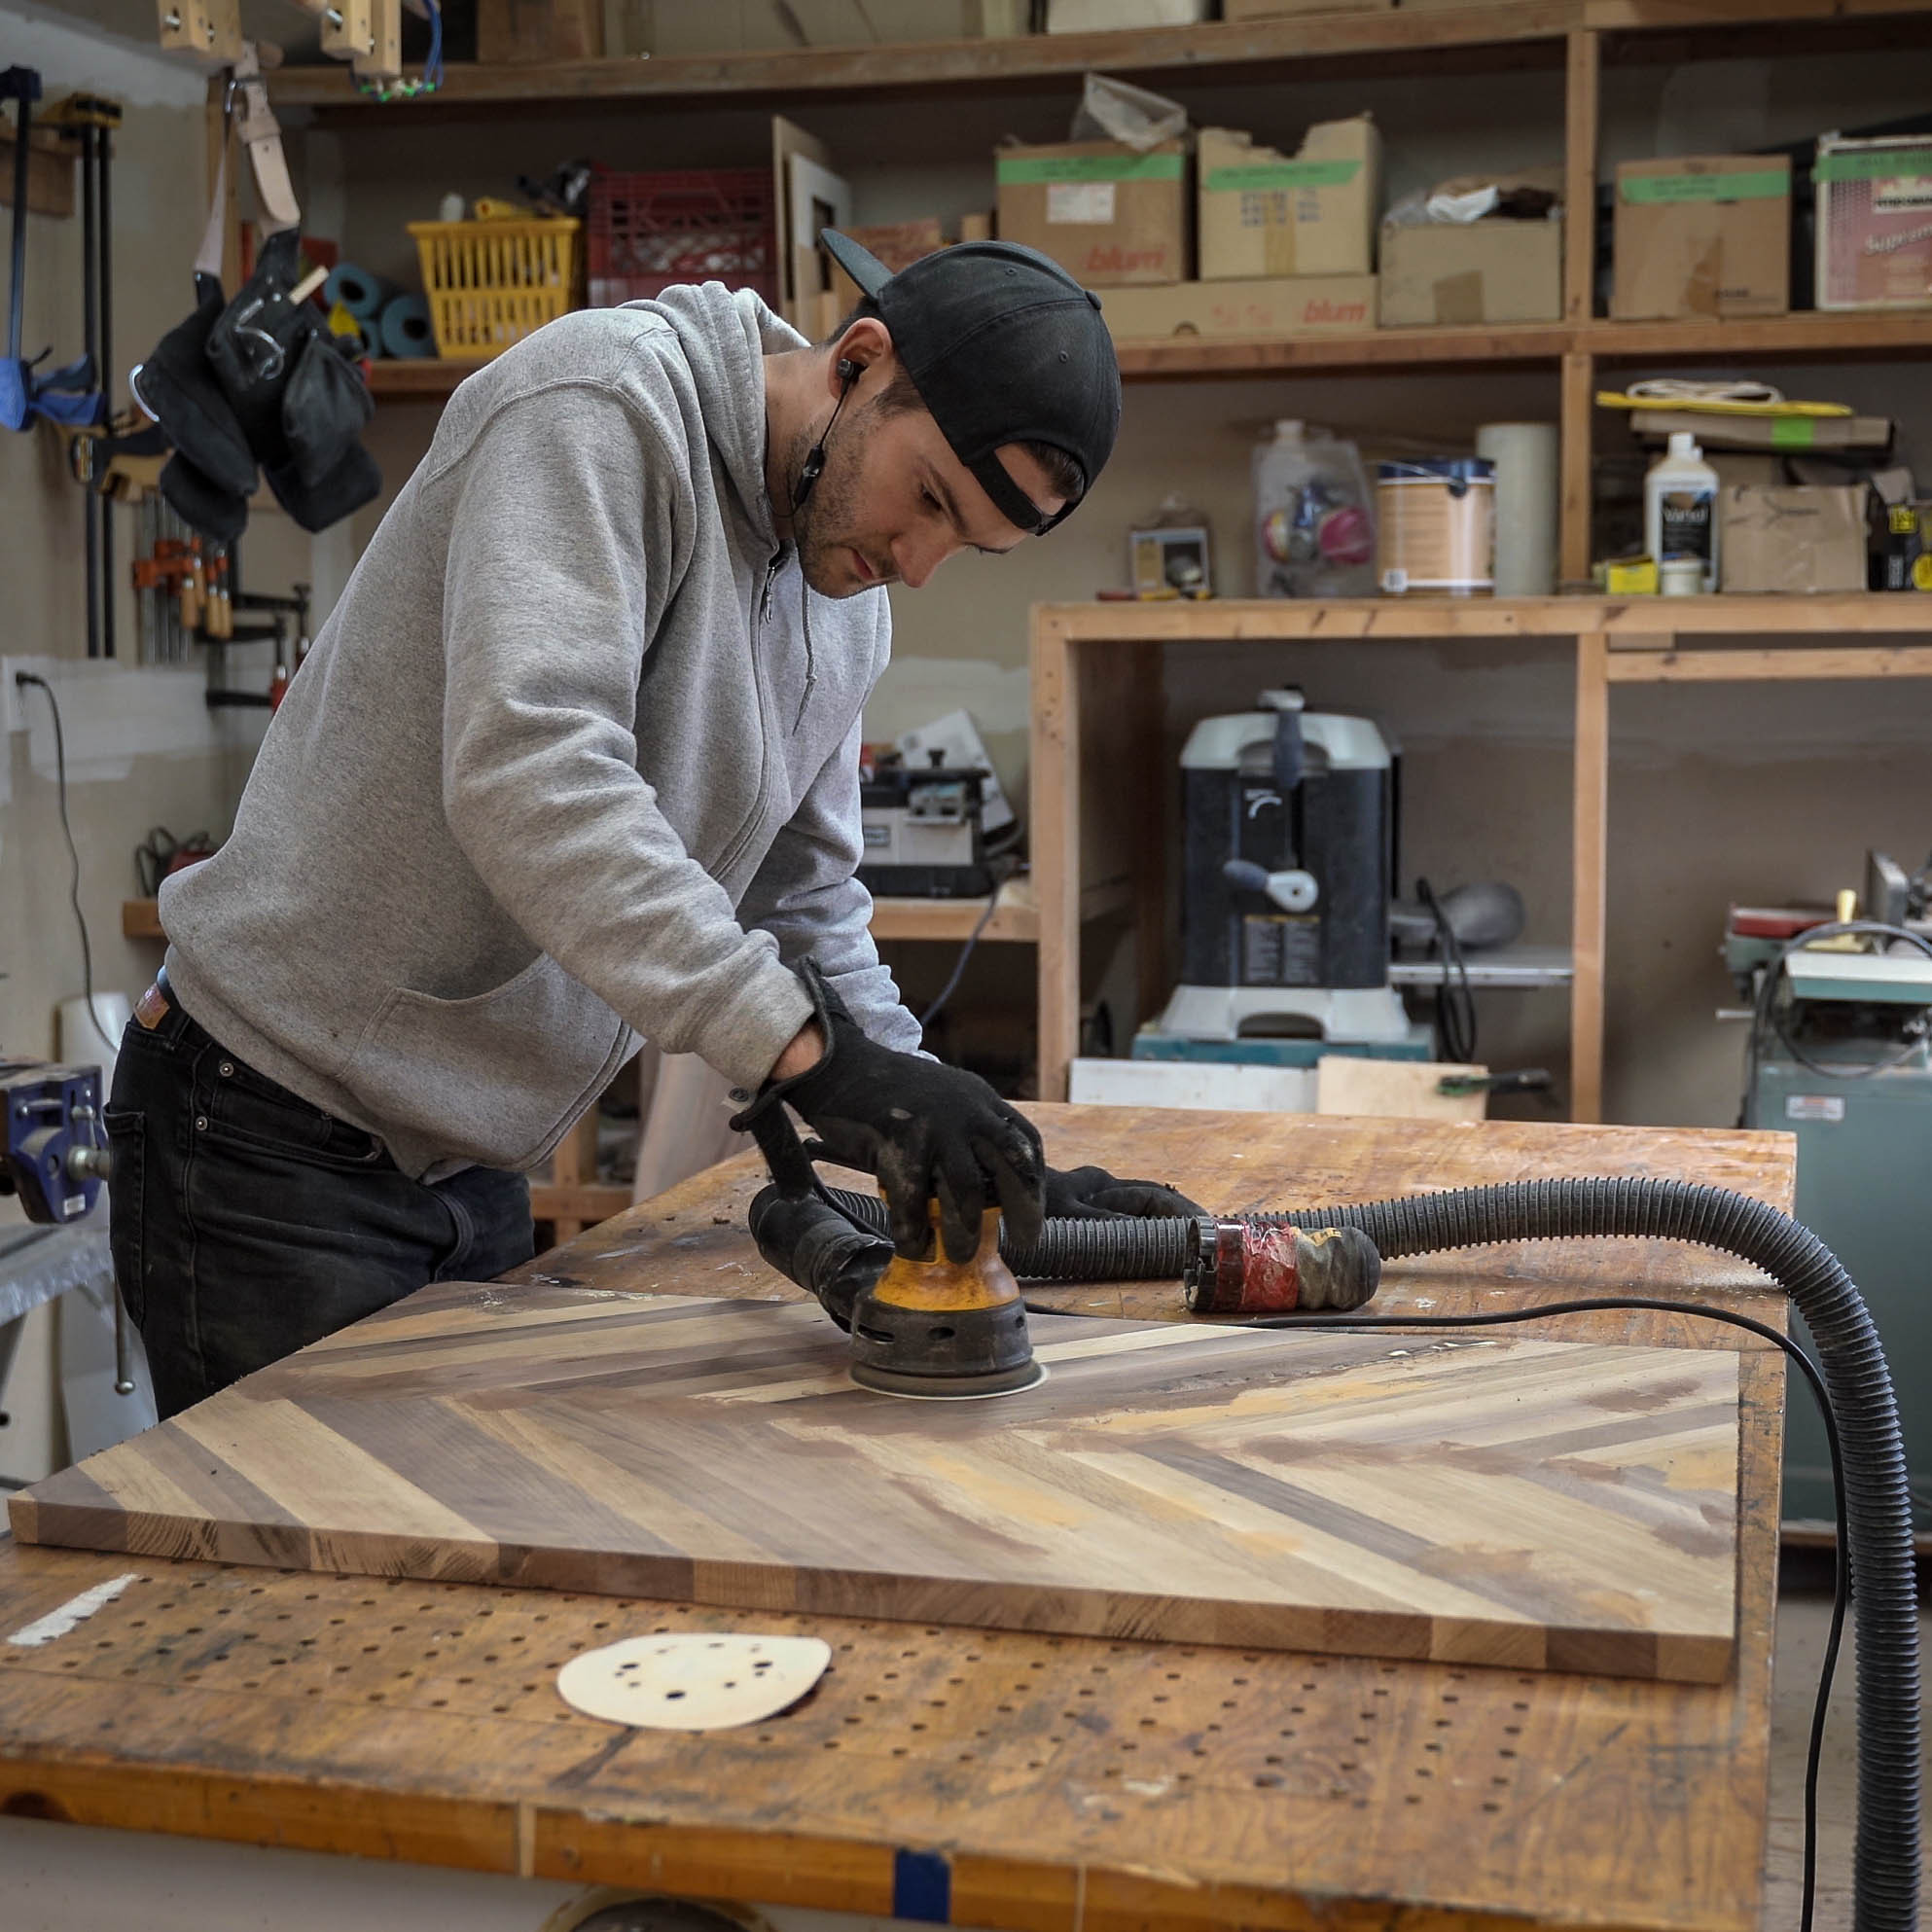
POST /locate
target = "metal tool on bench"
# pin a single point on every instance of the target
(924, 829)
(54, 1155)
(1840, 1055)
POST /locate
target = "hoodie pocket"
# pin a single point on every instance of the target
(491, 1077)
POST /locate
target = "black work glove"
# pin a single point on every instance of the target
(925, 1129)
(1092, 1193)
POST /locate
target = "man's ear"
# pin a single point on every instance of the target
(867, 345)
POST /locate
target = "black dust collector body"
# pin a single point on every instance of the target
(1289, 856)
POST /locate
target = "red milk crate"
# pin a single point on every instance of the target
(648, 231)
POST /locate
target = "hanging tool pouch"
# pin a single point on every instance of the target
(299, 404)
(258, 380)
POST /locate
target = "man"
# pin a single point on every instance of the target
(575, 761)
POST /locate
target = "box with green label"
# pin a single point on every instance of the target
(1265, 213)
(1110, 216)
(1703, 235)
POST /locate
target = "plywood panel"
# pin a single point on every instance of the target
(1531, 1503)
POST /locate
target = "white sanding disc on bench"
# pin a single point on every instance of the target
(704, 1681)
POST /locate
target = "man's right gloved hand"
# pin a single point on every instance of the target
(924, 1129)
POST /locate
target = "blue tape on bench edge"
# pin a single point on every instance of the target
(922, 1887)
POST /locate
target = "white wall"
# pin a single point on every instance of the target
(145, 753)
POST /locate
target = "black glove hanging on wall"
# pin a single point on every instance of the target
(926, 1130)
(259, 381)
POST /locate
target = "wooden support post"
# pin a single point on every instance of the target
(184, 27)
(1579, 125)
(224, 22)
(1056, 826)
(572, 1168)
(1589, 848)
(349, 27)
(384, 59)
(1579, 400)
(1147, 857)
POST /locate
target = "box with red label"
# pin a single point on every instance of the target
(1278, 306)
(1110, 215)
(1874, 223)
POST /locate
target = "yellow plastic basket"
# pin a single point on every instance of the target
(491, 283)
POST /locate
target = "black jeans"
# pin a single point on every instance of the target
(246, 1223)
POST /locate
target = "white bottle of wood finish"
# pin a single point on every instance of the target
(1680, 507)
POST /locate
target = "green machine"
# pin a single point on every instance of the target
(1840, 1055)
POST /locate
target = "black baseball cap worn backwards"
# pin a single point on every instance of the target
(1003, 346)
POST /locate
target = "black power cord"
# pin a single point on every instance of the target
(23, 678)
(1350, 1324)
(1841, 1571)
(1001, 872)
(1455, 1003)
(1765, 1019)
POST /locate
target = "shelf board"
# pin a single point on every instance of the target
(1017, 917)
(418, 379)
(1507, 969)
(1395, 39)
(1638, 625)
(1803, 338)
(949, 66)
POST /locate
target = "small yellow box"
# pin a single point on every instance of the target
(1630, 577)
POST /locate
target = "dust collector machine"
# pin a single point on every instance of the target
(1288, 839)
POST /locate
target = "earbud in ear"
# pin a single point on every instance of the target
(847, 371)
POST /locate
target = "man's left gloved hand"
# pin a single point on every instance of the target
(1092, 1193)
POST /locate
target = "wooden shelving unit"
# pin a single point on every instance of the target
(1806, 338)
(1084, 831)
(1081, 728)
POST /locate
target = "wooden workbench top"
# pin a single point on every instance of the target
(997, 1779)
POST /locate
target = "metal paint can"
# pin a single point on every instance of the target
(1435, 527)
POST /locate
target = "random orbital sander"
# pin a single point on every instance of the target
(949, 1329)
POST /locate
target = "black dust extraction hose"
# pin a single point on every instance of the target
(1071, 1249)
(1878, 1528)
(1876, 1540)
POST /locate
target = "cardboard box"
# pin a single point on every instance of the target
(1110, 215)
(1703, 234)
(1443, 273)
(1264, 213)
(1874, 223)
(1289, 305)
(1794, 436)
(897, 244)
(1801, 541)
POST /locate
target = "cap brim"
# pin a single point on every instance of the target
(865, 267)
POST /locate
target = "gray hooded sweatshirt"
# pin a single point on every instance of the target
(574, 759)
